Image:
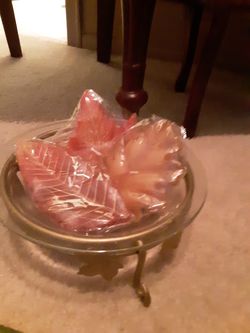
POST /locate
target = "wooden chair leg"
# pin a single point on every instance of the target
(182, 79)
(204, 69)
(10, 28)
(105, 20)
(137, 19)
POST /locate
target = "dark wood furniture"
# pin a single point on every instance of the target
(10, 28)
(137, 19)
(105, 19)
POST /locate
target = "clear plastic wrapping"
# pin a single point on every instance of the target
(100, 171)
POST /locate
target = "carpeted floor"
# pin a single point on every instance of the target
(205, 286)
(47, 82)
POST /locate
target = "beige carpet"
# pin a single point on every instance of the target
(203, 287)
(46, 83)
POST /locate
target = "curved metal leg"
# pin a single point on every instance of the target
(140, 288)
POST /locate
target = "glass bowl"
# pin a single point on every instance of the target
(19, 215)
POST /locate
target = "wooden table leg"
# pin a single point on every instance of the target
(137, 19)
(105, 20)
(204, 69)
(10, 28)
(181, 82)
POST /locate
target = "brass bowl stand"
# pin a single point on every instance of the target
(136, 241)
